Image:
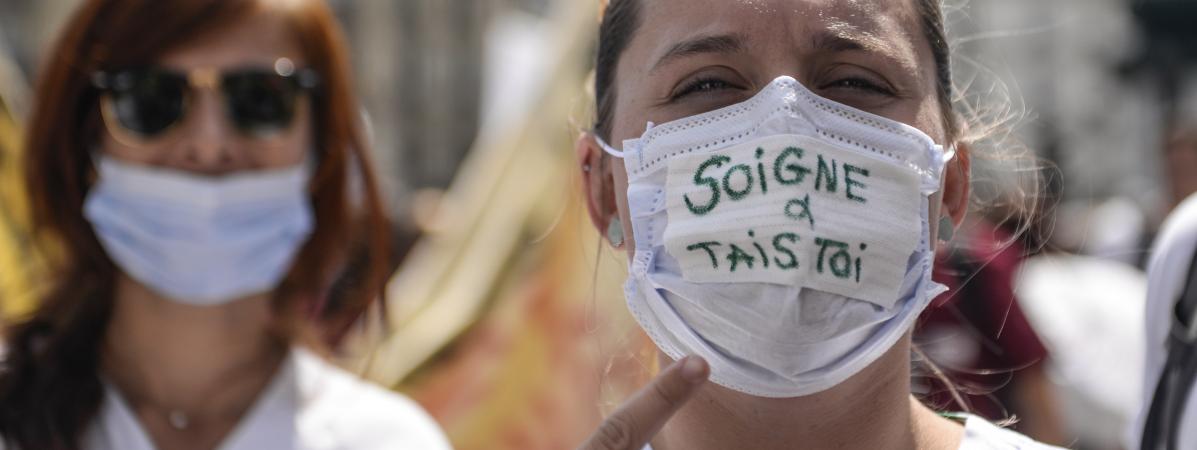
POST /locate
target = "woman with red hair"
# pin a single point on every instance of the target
(191, 161)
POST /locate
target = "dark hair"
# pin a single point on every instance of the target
(621, 19)
(49, 386)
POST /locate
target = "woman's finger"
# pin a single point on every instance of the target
(635, 423)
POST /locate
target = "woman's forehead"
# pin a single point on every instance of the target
(865, 14)
(258, 39)
(889, 27)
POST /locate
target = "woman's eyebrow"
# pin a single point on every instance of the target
(839, 40)
(723, 43)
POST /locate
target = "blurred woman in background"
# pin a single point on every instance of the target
(191, 161)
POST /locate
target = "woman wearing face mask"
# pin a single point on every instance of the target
(192, 162)
(779, 172)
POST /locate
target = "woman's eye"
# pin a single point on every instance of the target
(859, 84)
(701, 85)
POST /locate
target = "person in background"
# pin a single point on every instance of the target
(1168, 419)
(191, 163)
(1180, 161)
(977, 334)
(733, 147)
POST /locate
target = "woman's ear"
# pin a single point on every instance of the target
(598, 185)
(957, 176)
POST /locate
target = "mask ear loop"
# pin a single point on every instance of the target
(947, 228)
(949, 152)
(611, 150)
(608, 148)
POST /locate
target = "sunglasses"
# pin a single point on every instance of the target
(148, 102)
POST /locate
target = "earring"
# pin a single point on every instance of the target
(946, 230)
(615, 233)
(586, 167)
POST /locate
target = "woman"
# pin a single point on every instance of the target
(192, 161)
(785, 171)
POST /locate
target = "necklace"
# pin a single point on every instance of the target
(257, 370)
(178, 419)
(181, 420)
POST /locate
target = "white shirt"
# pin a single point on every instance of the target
(1166, 275)
(310, 405)
(982, 435)
(979, 434)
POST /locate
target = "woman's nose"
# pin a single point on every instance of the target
(207, 141)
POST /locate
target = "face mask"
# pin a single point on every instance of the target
(784, 239)
(200, 240)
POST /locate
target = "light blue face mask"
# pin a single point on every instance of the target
(201, 240)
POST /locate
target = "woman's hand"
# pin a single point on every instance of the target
(635, 423)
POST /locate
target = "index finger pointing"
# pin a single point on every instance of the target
(639, 419)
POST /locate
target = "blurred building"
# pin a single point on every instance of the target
(419, 68)
(1095, 84)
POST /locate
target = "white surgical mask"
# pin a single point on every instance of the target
(200, 240)
(784, 239)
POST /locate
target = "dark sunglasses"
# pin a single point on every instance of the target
(149, 101)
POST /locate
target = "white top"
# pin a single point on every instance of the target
(979, 434)
(982, 435)
(1166, 273)
(1089, 313)
(310, 405)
